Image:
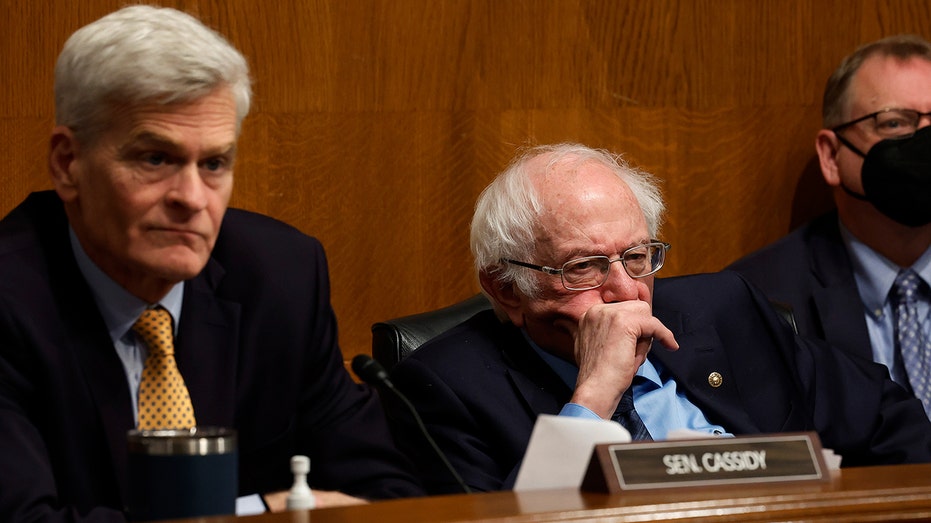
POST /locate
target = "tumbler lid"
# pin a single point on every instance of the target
(199, 441)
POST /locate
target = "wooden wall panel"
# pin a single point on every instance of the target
(377, 122)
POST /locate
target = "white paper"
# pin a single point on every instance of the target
(560, 448)
(831, 460)
(249, 505)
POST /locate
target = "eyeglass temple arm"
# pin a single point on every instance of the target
(541, 268)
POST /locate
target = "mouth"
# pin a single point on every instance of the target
(185, 234)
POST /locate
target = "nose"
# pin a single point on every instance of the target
(188, 190)
(619, 286)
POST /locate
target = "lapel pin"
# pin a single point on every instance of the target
(715, 379)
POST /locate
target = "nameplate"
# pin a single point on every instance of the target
(616, 467)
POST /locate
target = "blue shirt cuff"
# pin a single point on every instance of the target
(574, 410)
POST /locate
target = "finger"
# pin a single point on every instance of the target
(656, 331)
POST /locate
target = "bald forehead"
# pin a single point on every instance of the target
(573, 192)
(570, 177)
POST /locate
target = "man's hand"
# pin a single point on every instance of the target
(277, 501)
(612, 341)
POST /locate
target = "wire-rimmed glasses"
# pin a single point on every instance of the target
(591, 272)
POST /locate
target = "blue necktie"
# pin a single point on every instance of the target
(627, 416)
(910, 341)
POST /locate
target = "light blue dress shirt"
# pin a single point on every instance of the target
(874, 275)
(660, 404)
(120, 310)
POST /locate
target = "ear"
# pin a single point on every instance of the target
(506, 299)
(827, 145)
(63, 150)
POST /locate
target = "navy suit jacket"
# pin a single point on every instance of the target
(479, 387)
(257, 346)
(810, 270)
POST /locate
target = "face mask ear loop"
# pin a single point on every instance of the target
(861, 197)
(850, 146)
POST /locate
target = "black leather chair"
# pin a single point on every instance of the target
(393, 340)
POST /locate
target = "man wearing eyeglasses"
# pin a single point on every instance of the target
(858, 276)
(565, 247)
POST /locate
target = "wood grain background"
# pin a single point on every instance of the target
(376, 123)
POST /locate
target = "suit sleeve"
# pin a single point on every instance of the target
(859, 411)
(855, 407)
(28, 487)
(456, 431)
(349, 443)
(297, 378)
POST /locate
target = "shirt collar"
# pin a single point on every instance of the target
(119, 308)
(875, 274)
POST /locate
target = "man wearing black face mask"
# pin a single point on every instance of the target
(858, 277)
(896, 172)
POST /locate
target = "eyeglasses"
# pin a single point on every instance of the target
(590, 272)
(890, 123)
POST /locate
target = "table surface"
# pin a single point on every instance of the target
(900, 493)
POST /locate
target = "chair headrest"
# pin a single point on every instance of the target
(393, 340)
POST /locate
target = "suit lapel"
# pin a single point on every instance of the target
(87, 336)
(700, 359)
(105, 377)
(207, 348)
(542, 391)
(838, 300)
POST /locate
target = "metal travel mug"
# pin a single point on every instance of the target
(182, 473)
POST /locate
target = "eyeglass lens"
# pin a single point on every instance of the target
(897, 122)
(592, 271)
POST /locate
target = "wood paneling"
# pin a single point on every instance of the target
(377, 122)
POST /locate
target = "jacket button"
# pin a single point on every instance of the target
(715, 379)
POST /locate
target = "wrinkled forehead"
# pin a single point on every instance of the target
(569, 186)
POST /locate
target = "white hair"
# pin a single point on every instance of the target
(508, 209)
(143, 54)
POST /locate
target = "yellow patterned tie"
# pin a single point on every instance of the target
(164, 401)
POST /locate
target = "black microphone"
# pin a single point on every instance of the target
(371, 372)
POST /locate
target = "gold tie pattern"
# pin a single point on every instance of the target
(164, 401)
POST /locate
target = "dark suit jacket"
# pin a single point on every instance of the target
(257, 346)
(810, 270)
(479, 387)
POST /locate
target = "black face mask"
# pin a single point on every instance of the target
(896, 177)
